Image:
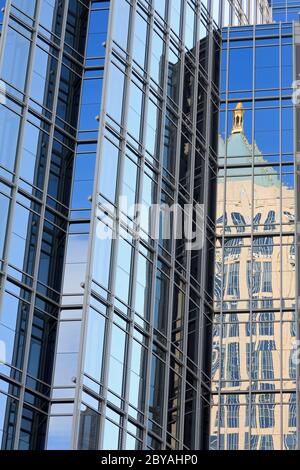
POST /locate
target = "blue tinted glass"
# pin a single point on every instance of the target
(267, 67)
(241, 69)
(4, 206)
(15, 59)
(9, 132)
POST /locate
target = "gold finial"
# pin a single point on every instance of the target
(238, 119)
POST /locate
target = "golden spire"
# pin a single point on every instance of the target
(238, 119)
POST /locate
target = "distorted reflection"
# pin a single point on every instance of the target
(254, 324)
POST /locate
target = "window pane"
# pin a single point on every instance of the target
(116, 364)
(88, 429)
(115, 94)
(102, 254)
(123, 270)
(4, 206)
(94, 344)
(109, 167)
(156, 402)
(9, 133)
(121, 28)
(60, 433)
(15, 60)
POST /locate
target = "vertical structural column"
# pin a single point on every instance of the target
(296, 100)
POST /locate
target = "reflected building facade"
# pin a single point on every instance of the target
(105, 340)
(253, 370)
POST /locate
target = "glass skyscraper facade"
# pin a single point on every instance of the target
(106, 333)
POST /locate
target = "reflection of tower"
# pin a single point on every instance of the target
(89, 430)
(238, 119)
(252, 342)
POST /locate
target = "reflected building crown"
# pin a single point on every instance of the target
(238, 119)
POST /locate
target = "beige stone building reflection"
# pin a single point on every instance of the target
(254, 332)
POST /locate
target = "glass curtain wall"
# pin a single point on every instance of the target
(119, 327)
(63, 416)
(253, 372)
(41, 68)
(285, 10)
(148, 301)
(148, 305)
